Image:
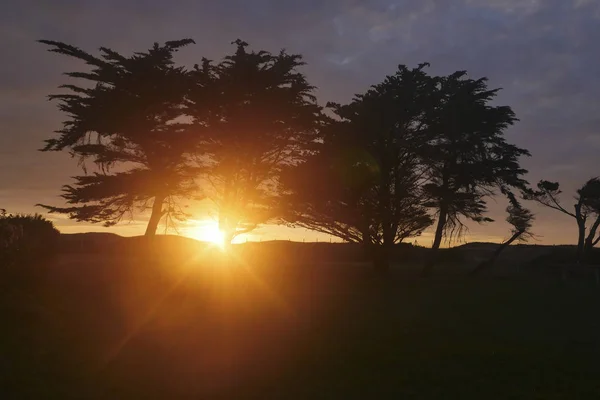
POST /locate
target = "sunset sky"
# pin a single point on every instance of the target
(543, 53)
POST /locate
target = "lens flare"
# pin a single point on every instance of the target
(208, 231)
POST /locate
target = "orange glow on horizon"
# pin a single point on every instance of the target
(208, 231)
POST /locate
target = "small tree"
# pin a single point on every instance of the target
(585, 210)
(126, 119)
(261, 116)
(521, 220)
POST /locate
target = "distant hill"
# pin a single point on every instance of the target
(283, 250)
(95, 242)
(180, 251)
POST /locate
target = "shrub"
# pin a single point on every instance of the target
(26, 238)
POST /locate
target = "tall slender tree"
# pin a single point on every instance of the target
(126, 119)
(262, 116)
(468, 157)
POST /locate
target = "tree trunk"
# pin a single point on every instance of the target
(157, 214)
(488, 263)
(439, 230)
(581, 238)
(589, 241)
(437, 241)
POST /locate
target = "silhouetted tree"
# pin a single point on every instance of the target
(521, 220)
(262, 116)
(467, 158)
(586, 209)
(126, 118)
(364, 184)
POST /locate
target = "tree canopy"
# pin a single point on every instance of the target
(124, 118)
(364, 184)
(376, 171)
(261, 115)
(467, 157)
(411, 143)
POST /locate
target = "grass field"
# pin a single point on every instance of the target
(119, 327)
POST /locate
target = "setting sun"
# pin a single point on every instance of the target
(208, 231)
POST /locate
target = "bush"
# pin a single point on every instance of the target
(26, 238)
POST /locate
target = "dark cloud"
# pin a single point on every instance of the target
(543, 53)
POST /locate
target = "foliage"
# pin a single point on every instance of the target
(250, 127)
(25, 237)
(467, 156)
(262, 115)
(412, 142)
(364, 184)
(520, 218)
(126, 119)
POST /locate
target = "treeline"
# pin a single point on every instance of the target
(247, 131)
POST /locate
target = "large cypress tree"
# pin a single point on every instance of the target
(126, 119)
(262, 116)
(364, 185)
(467, 157)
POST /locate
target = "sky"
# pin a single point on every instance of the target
(542, 53)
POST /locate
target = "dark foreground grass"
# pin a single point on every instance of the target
(123, 328)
